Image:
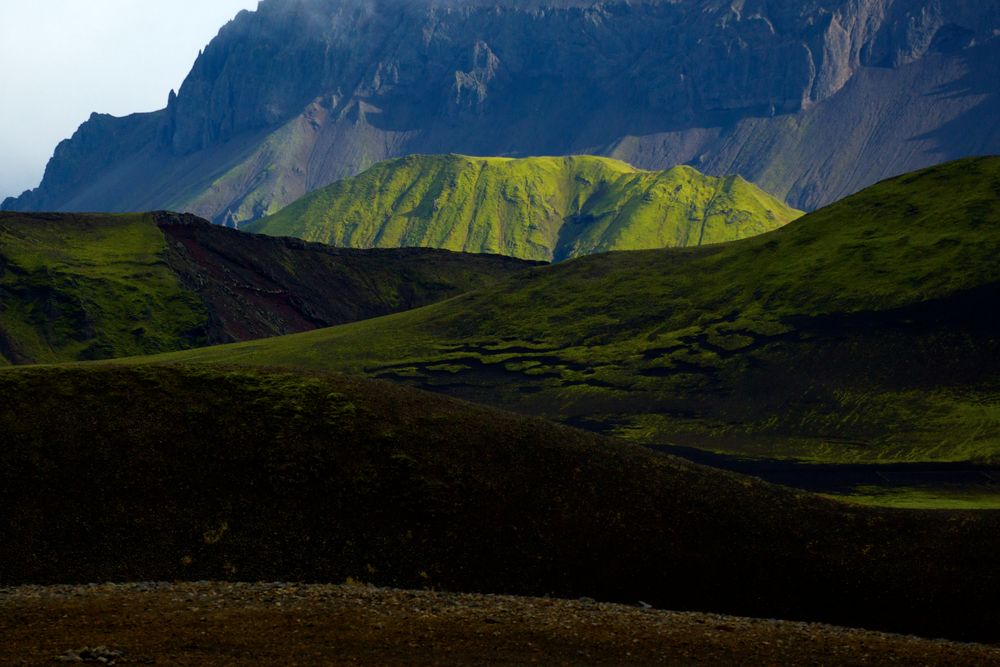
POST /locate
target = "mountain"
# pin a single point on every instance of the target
(863, 332)
(167, 473)
(533, 208)
(98, 286)
(810, 100)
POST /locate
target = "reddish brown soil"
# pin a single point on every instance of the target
(240, 624)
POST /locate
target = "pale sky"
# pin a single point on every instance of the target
(60, 60)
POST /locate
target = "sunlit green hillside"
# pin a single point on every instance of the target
(535, 208)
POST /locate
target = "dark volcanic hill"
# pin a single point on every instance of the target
(206, 473)
(809, 99)
(98, 286)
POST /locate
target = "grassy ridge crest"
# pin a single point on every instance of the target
(542, 208)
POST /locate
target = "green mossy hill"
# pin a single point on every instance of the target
(865, 332)
(544, 208)
(90, 287)
(117, 473)
(99, 286)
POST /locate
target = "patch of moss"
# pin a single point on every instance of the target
(927, 497)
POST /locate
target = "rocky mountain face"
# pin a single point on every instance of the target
(810, 99)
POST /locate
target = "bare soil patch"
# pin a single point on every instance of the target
(291, 624)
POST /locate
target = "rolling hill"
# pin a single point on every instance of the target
(532, 208)
(166, 473)
(863, 332)
(97, 286)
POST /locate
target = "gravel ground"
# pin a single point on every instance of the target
(290, 624)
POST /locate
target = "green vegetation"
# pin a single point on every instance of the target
(111, 473)
(953, 497)
(864, 332)
(90, 287)
(98, 286)
(541, 208)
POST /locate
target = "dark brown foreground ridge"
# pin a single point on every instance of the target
(252, 624)
(206, 474)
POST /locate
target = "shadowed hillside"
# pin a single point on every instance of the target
(98, 286)
(166, 473)
(534, 208)
(866, 331)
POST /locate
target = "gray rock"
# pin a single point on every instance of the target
(97, 655)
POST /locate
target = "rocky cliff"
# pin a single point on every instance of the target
(811, 99)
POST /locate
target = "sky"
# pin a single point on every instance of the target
(60, 60)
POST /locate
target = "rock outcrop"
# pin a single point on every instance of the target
(810, 99)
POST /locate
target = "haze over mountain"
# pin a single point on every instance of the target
(810, 100)
(533, 208)
(62, 59)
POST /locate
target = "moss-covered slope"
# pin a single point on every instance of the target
(166, 473)
(866, 331)
(98, 286)
(541, 208)
(86, 287)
